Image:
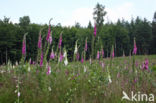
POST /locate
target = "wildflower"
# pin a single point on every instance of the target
(95, 30)
(49, 88)
(61, 57)
(18, 94)
(90, 60)
(82, 59)
(49, 69)
(24, 46)
(85, 69)
(76, 49)
(29, 69)
(52, 55)
(109, 79)
(135, 48)
(49, 37)
(40, 41)
(145, 64)
(113, 53)
(66, 59)
(103, 65)
(86, 45)
(60, 41)
(41, 61)
(102, 53)
(98, 55)
(77, 56)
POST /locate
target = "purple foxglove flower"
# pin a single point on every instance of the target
(52, 55)
(40, 41)
(86, 45)
(48, 35)
(41, 61)
(50, 39)
(146, 64)
(95, 30)
(102, 53)
(102, 64)
(60, 41)
(77, 56)
(113, 53)
(24, 47)
(61, 57)
(135, 48)
(49, 70)
(98, 55)
(82, 59)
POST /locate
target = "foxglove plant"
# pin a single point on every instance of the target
(52, 55)
(77, 56)
(66, 59)
(102, 53)
(48, 69)
(95, 30)
(82, 60)
(23, 49)
(24, 45)
(41, 60)
(145, 65)
(112, 51)
(134, 53)
(85, 49)
(93, 39)
(98, 55)
(60, 41)
(135, 48)
(49, 37)
(61, 57)
(40, 41)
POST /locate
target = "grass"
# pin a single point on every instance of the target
(77, 82)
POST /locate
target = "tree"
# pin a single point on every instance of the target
(89, 25)
(153, 43)
(24, 21)
(98, 16)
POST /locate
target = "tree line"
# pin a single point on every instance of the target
(119, 34)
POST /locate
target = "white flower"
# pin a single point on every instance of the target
(109, 78)
(66, 61)
(76, 49)
(65, 54)
(18, 94)
(29, 69)
(85, 69)
(49, 88)
(16, 91)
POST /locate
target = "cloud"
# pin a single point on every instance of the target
(124, 10)
(84, 15)
(81, 15)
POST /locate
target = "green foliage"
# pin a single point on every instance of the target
(119, 34)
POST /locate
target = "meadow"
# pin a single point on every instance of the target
(77, 82)
(51, 78)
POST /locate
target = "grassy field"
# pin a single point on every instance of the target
(99, 82)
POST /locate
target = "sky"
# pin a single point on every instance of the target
(68, 12)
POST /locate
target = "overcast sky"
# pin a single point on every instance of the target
(67, 12)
